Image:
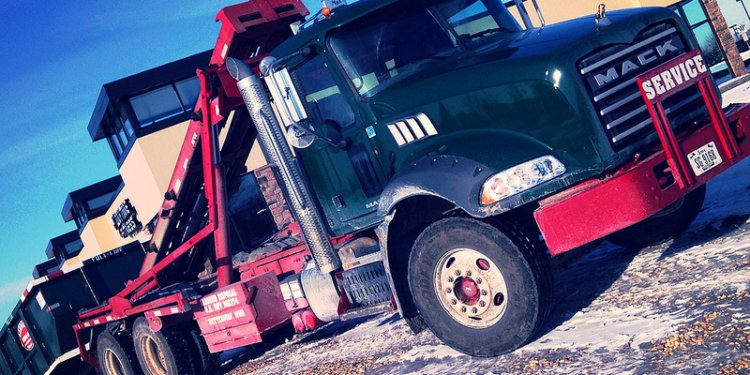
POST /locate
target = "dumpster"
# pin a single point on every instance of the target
(38, 336)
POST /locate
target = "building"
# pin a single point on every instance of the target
(144, 119)
(707, 22)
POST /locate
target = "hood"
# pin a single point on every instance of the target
(526, 56)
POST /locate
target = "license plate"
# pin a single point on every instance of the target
(704, 159)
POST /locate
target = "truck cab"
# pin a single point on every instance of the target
(408, 84)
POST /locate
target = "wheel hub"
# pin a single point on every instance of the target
(470, 288)
(467, 291)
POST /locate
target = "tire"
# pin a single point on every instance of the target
(116, 354)
(206, 362)
(459, 263)
(664, 225)
(166, 352)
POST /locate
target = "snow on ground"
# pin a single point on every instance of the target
(739, 94)
(680, 307)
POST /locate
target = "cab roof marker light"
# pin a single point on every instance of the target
(329, 5)
(520, 178)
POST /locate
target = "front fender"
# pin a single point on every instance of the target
(455, 179)
(466, 159)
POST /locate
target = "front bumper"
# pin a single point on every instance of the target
(599, 207)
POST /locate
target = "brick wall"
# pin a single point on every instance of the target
(724, 35)
(274, 197)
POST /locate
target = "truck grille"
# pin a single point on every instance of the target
(610, 75)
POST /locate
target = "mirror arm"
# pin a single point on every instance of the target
(342, 144)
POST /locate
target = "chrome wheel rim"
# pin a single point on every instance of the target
(156, 363)
(112, 363)
(470, 288)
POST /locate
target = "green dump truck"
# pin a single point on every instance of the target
(434, 154)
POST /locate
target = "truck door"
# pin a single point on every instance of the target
(347, 180)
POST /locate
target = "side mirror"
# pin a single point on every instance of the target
(286, 97)
(289, 105)
(299, 137)
(302, 135)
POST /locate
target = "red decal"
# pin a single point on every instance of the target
(24, 336)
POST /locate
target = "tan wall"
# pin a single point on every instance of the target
(557, 10)
(256, 159)
(95, 236)
(146, 172)
(160, 150)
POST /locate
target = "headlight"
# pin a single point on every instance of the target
(519, 178)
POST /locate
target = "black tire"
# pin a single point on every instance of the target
(166, 352)
(666, 224)
(205, 362)
(116, 354)
(522, 265)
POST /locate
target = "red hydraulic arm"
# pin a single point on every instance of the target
(194, 206)
(249, 30)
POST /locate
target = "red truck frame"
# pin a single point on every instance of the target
(236, 313)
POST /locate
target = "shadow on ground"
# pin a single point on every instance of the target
(705, 233)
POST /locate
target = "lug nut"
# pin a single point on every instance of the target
(484, 292)
(458, 273)
(482, 304)
(450, 279)
(463, 309)
(479, 280)
(474, 310)
(453, 302)
(448, 290)
(468, 273)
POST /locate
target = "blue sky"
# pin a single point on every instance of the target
(56, 56)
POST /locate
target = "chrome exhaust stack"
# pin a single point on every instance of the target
(284, 164)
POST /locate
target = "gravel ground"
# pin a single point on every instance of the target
(680, 307)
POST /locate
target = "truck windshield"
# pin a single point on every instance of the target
(399, 38)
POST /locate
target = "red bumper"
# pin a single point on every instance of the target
(597, 208)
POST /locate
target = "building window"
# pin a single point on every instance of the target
(72, 249)
(120, 132)
(693, 13)
(166, 101)
(92, 208)
(188, 89)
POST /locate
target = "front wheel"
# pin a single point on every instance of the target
(481, 290)
(664, 225)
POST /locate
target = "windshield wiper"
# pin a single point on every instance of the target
(484, 32)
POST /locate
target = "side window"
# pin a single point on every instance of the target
(323, 97)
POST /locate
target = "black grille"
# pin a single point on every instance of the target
(610, 75)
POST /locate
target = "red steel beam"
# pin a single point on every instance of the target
(213, 177)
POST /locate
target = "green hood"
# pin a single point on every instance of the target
(506, 88)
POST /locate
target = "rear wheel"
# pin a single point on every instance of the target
(116, 354)
(664, 225)
(206, 363)
(481, 290)
(166, 352)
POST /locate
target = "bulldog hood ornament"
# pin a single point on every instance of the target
(601, 16)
